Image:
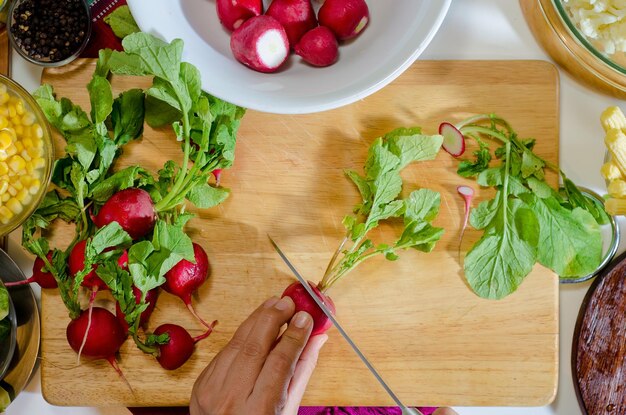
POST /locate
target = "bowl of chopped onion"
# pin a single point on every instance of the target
(585, 37)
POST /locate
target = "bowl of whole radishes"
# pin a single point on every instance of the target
(295, 56)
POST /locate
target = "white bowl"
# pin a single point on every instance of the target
(398, 32)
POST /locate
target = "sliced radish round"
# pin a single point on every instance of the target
(465, 191)
(260, 43)
(453, 140)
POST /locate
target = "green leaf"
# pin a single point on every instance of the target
(205, 196)
(111, 235)
(4, 302)
(570, 241)
(361, 184)
(122, 22)
(506, 253)
(133, 176)
(127, 116)
(484, 214)
(380, 161)
(530, 164)
(160, 113)
(491, 177)
(540, 188)
(410, 146)
(5, 331)
(576, 199)
(159, 58)
(101, 98)
(173, 239)
(482, 159)
(422, 205)
(83, 148)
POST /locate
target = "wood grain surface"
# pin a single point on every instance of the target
(599, 348)
(433, 340)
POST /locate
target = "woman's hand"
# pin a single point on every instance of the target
(257, 373)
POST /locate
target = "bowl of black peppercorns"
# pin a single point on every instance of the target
(49, 32)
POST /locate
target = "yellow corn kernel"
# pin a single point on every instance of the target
(24, 197)
(12, 111)
(34, 152)
(29, 168)
(615, 141)
(4, 122)
(28, 143)
(3, 155)
(5, 197)
(34, 186)
(26, 179)
(37, 131)
(6, 139)
(19, 107)
(613, 118)
(17, 163)
(12, 191)
(610, 171)
(4, 186)
(19, 130)
(11, 150)
(4, 168)
(615, 207)
(15, 206)
(26, 156)
(617, 188)
(19, 146)
(28, 119)
(38, 163)
(3, 89)
(17, 185)
(5, 212)
(4, 98)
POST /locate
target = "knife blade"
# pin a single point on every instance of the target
(405, 409)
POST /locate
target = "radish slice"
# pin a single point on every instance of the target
(260, 43)
(468, 194)
(453, 140)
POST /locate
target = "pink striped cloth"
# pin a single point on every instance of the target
(311, 410)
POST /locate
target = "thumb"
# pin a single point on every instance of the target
(304, 370)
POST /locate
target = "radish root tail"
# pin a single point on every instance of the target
(197, 316)
(18, 283)
(206, 334)
(115, 366)
(92, 298)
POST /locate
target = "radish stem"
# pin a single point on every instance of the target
(467, 193)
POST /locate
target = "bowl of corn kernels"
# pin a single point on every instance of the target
(26, 155)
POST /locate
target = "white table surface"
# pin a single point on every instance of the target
(473, 29)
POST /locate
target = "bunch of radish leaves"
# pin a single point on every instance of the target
(380, 189)
(84, 179)
(527, 221)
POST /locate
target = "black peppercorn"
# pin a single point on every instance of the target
(50, 30)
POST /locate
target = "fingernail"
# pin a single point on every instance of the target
(284, 304)
(302, 319)
(270, 302)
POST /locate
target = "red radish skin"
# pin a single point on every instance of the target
(296, 16)
(453, 139)
(318, 47)
(304, 302)
(179, 348)
(45, 279)
(151, 298)
(346, 18)
(186, 277)
(217, 173)
(104, 336)
(132, 208)
(232, 13)
(261, 44)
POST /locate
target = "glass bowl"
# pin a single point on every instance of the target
(583, 58)
(45, 158)
(48, 63)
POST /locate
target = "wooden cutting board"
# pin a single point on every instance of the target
(428, 334)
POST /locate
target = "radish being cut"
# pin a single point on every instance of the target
(346, 18)
(261, 44)
(132, 208)
(186, 277)
(296, 16)
(232, 13)
(304, 302)
(179, 347)
(318, 47)
(453, 140)
(104, 336)
(44, 278)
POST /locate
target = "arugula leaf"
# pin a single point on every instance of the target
(205, 196)
(122, 22)
(409, 145)
(101, 98)
(482, 159)
(127, 116)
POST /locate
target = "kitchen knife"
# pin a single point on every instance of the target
(405, 410)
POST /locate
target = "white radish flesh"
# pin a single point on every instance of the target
(261, 44)
(453, 140)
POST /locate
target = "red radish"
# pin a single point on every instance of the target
(304, 302)
(318, 47)
(232, 13)
(467, 193)
(179, 348)
(217, 173)
(151, 297)
(132, 208)
(261, 44)
(106, 336)
(186, 277)
(44, 278)
(346, 18)
(453, 140)
(296, 16)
